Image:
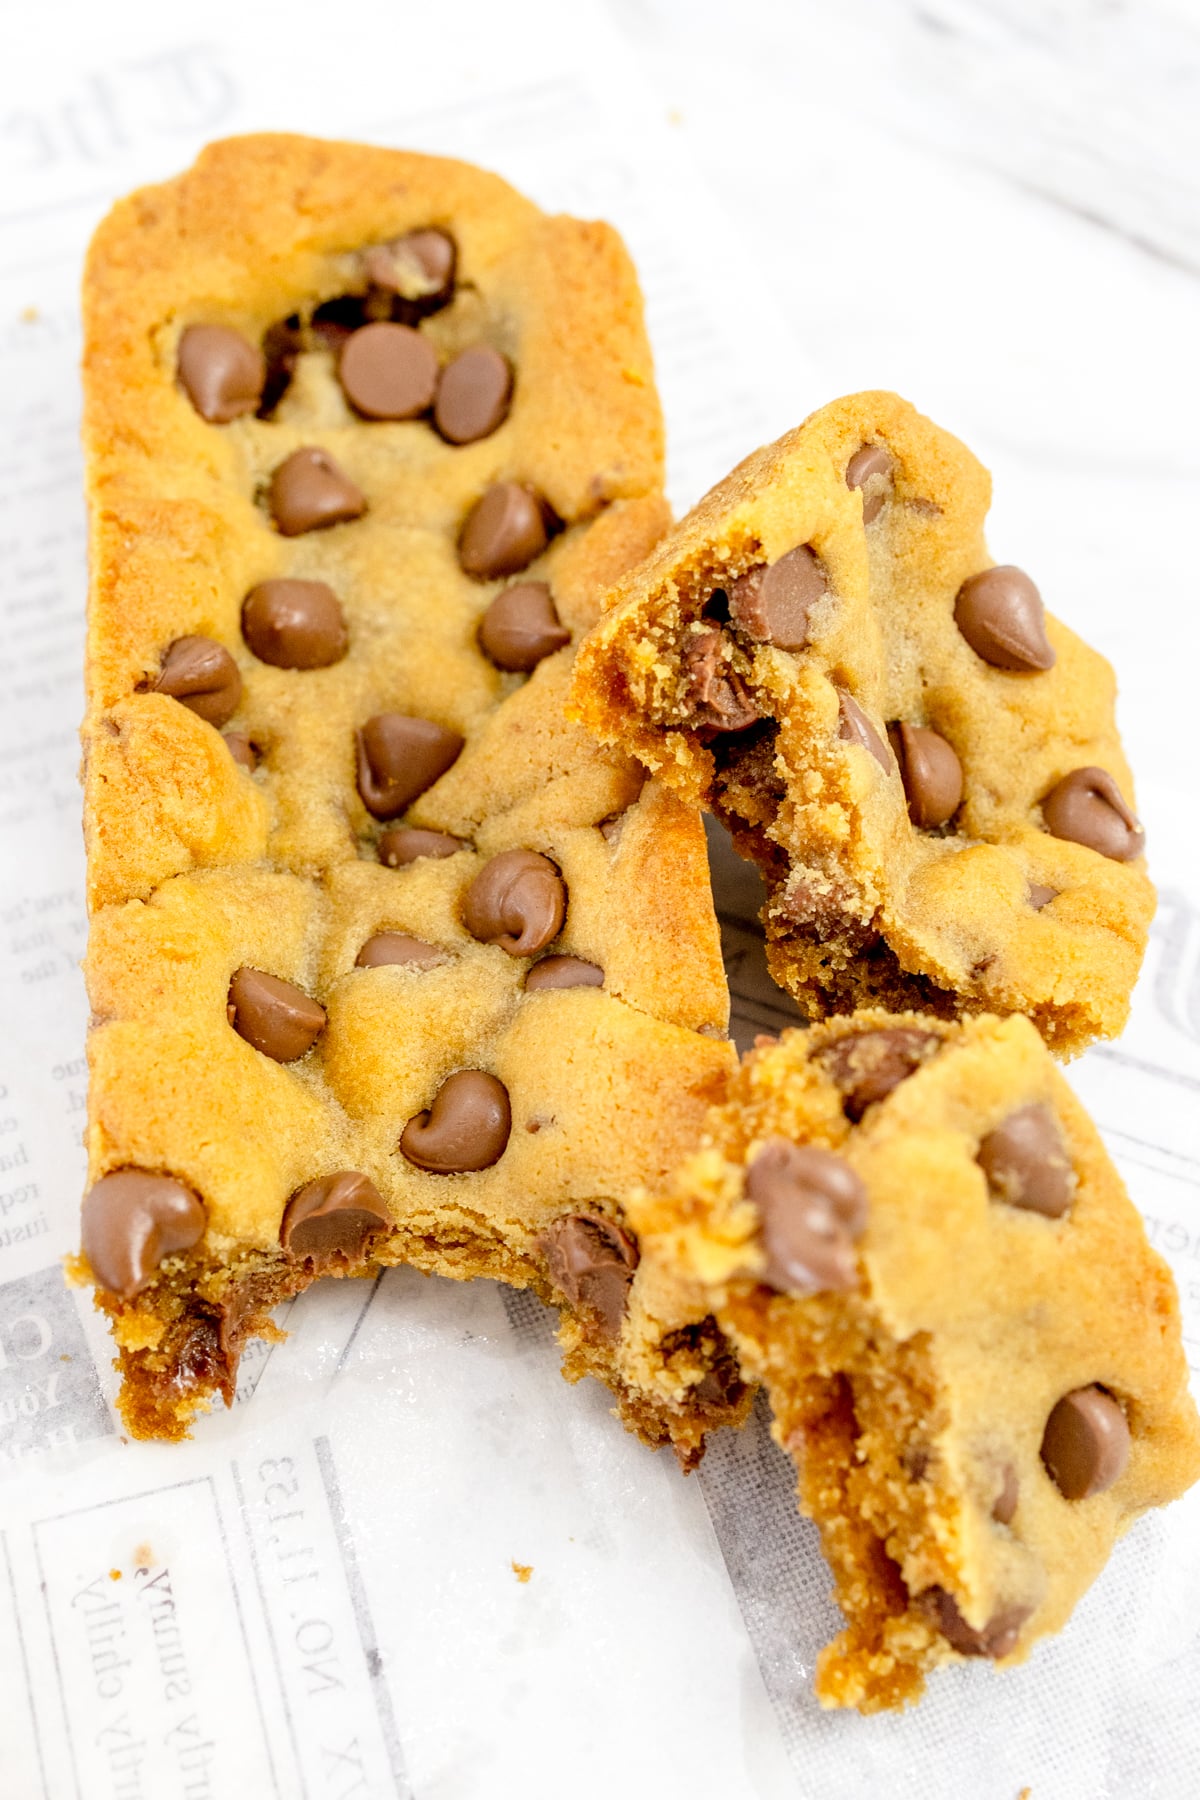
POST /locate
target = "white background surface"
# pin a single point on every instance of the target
(990, 205)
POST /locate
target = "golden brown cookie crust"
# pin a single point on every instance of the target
(199, 867)
(906, 1399)
(864, 908)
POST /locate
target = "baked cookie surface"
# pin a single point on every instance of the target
(389, 961)
(913, 1236)
(923, 763)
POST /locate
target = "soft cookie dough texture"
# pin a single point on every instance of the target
(924, 764)
(913, 1236)
(286, 982)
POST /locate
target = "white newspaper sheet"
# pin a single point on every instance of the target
(412, 1561)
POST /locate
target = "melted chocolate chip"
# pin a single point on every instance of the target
(1085, 1446)
(715, 693)
(855, 727)
(772, 602)
(722, 1384)
(466, 1128)
(418, 267)
(222, 374)
(275, 1016)
(1026, 1162)
(407, 843)
(812, 1206)
(388, 371)
(336, 1216)
(132, 1219)
(399, 757)
(867, 1065)
(1000, 613)
(294, 624)
(242, 750)
(282, 344)
(1087, 807)
(308, 492)
(996, 1639)
(521, 627)
(473, 395)
(1004, 1506)
(591, 1262)
(504, 531)
(563, 972)
(390, 947)
(201, 675)
(931, 772)
(518, 900)
(872, 471)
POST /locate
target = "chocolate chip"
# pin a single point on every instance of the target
(399, 757)
(995, 1639)
(1087, 807)
(309, 492)
(1085, 1446)
(1026, 1162)
(202, 676)
(771, 602)
(563, 972)
(1004, 1505)
(518, 900)
(871, 470)
(812, 1206)
(504, 531)
(867, 1065)
(521, 627)
(333, 321)
(855, 727)
(591, 1262)
(388, 947)
(722, 1384)
(335, 1216)
(406, 843)
(418, 267)
(1000, 613)
(716, 694)
(282, 344)
(294, 624)
(275, 1016)
(473, 395)
(132, 1219)
(466, 1128)
(931, 772)
(222, 374)
(242, 749)
(388, 371)
(1040, 896)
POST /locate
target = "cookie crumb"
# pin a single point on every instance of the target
(522, 1571)
(114, 1574)
(143, 1557)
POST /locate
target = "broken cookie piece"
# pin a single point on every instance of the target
(912, 1235)
(375, 978)
(936, 794)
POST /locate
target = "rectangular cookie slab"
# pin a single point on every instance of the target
(911, 1233)
(388, 961)
(921, 760)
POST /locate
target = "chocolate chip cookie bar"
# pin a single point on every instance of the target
(388, 960)
(913, 1236)
(922, 761)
